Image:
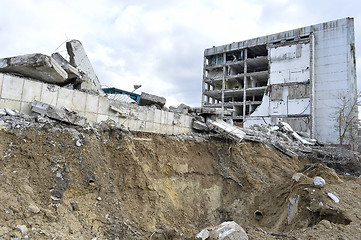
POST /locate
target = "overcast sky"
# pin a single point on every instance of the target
(156, 43)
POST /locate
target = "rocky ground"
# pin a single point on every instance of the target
(58, 181)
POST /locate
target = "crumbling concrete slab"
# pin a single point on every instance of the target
(147, 99)
(201, 126)
(37, 66)
(60, 114)
(73, 73)
(226, 128)
(80, 60)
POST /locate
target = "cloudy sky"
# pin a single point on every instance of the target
(156, 43)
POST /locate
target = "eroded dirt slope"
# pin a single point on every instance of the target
(63, 183)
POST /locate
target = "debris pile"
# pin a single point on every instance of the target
(224, 231)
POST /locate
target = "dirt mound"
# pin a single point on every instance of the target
(60, 182)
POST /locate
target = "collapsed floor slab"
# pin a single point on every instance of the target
(37, 66)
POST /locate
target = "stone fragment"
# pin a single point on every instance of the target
(201, 126)
(22, 228)
(204, 234)
(78, 143)
(10, 112)
(60, 114)
(325, 223)
(319, 181)
(74, 206)
(333, 197)
(2, 112)
(147, 99)
(34, 208)
(228, 231)
(292, 208)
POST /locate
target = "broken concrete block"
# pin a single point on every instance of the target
(147, 99)
(201, 126)
(80, 60)
(34, 208)
(228, 231)
(37, 66)
(226, 128)
(333, 197)
(292, 208)
(204, 234)
(284, 149)
(319, 181)
(73, 73)
(63, 115)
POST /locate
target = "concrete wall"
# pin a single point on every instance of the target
(19, 93)
(335, 76)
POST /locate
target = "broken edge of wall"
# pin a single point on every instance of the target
(19, 93)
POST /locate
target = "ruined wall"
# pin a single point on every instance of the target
(311, 70)
(335, 75)
(19, 93)
(289, 95)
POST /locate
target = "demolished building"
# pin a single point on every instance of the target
(299, 76)
(70, 91)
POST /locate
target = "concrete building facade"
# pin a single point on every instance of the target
(302, 76)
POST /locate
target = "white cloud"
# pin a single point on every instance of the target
(158, 44)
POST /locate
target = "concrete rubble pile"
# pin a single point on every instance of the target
(225, 231)
(13, 119)
(281, 136)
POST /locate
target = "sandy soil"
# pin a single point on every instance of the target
(59, 182)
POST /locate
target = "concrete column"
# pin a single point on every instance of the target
(312, 79)
(244, 84)
(223, 81)
(204, 80)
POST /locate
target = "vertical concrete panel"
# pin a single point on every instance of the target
(65, 98)
(150, 115)
(92, 102)
(169, 129)
(25, 107)
(101, 118)
(1, 82)
(164, 117)
(157, 115)
(188, 122)
(170, 118)
(91, 117)
(332, 78)
(79, 101)
(149, 127)
(12, 88)
(157, 128)
(11, 104)
(142, 114)
(103, 107)
(49, 94)
(31, 91)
